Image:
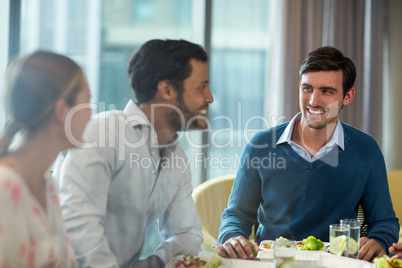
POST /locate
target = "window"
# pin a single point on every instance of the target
(4, 19)
(238, 55)
(101, 35)
(126, 25)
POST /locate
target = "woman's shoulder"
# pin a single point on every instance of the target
(9, 178)
(12, 189)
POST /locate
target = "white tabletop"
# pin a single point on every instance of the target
(336, 262)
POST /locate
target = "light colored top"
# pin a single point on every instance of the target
(337, 139)
(110, 193)
(29, 236)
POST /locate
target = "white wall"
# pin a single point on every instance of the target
(392, 137)
(4, 27)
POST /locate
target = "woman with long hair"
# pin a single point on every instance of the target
(42, 93)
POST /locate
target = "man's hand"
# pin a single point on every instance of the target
(152, 261)
(397, 248)
(238, 247)
(369, 249)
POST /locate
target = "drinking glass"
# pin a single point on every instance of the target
(339, 239)
(284, 253)
(354, 240)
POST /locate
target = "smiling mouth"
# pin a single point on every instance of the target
(203, 110)
(315, 112)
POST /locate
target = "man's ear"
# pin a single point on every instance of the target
(61, 110)
(166, 90)
(349, 96)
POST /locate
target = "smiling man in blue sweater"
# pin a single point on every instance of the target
(327, 168)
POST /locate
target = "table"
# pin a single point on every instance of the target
(257, 263)
(339, 262)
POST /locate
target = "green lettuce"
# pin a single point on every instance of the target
(311, 243)
(384, 262)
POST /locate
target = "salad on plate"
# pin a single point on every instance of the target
(189, 261)
(309, 243)
(387, 262)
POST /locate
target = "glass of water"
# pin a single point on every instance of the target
(339, 239)
(284, 253)
(354, 240)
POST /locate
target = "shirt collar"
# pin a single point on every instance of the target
(137, 118)
(337, 138)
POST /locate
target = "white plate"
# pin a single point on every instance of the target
(265, 242)
(226, 263)
(342, 262)
(320, 257)
(301, 255)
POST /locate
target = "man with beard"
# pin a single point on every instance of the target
(133, 172)
(329, 169)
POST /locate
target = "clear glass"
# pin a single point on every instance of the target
(284, 253)
(339, 239)
(354, 242)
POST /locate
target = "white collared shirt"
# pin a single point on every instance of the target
(337, 139)
(111, 193)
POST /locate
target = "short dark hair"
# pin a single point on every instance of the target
(159, 60)
(330, 59)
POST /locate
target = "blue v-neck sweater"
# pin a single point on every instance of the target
(294, 198)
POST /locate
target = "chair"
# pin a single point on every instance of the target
(360, 216)
(211, 198)
(395, 186)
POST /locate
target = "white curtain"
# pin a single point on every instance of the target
(357, 28)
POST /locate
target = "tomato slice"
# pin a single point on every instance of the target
(393, 266)
(179, 263)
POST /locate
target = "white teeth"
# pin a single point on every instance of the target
(315, 112)
(203, 112)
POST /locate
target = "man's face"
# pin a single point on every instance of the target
(321, 98)
(194, 100)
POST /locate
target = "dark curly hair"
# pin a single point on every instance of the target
(159, 60)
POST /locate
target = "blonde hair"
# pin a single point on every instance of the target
(33, 85)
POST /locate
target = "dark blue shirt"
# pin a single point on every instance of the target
(294, 198)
